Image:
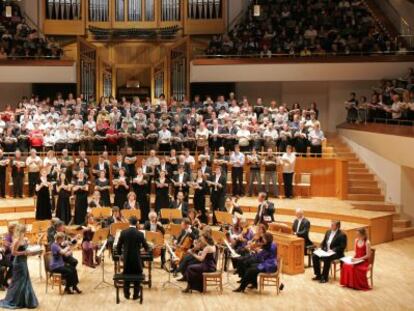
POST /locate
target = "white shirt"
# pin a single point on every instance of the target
(288, 161)
(299, 223)
(164, 135)
(331, 236)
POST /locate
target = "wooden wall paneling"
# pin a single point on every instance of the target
(341, 178)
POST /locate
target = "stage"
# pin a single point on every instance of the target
(393, 290)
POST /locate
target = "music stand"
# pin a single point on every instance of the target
(39, 228)
(101, 237)
(119, 226)
(173, 257)
(126, 213)
(224, 218)
(171, 213)
(101, 212)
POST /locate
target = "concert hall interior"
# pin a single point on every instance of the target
(207, 154)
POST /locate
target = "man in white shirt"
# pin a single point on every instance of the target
(237, 162)
(164, 137)
(301, 227)
(288, 161)
(316, 137)
(334, 243)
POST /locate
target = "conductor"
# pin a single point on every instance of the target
(130, 243)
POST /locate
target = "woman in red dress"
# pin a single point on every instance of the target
(355, 275)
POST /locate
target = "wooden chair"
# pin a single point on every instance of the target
(271, 279)
(304, 182)
(52, 277)
(335, 267)
(309, 252)
(370, 274)
(215, 278)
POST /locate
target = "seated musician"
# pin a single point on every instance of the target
(232, 206)
(129, 245)
(184, 241)
(154, 225)
(59, 265)
(89, 249)
(334, 243)
(265, 211)
(301, 227)
(131, 202)
(263, 261)
(206, 262)
(51, 231)
(95, 201)
(180, 204)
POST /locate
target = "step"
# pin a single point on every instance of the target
(401, 223)
(364, 190)
(366, 197)
(346, 154)
(362, 183)
(353, 170)
(400, 233)
(355, 165)
(375, 207)
(361, 176)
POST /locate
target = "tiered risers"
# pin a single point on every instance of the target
(318, 210)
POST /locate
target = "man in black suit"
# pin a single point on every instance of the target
(101, 166)
(119, 164)
(218, 183)
(301, 227)
(130, 243)
(180, 204)
(205, 169)
(181, 181)
(335, 241)
(265, 211)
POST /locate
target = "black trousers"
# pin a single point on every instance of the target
(237, 180)
(3, 184)
(317, 150)
(69, 273)
(18, 186)
(316, 260)
(287, 181)
(33, 178)
(185, 262)
(250, 276)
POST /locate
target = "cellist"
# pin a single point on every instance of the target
(184, 241)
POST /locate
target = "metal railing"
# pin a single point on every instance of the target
(298, 55)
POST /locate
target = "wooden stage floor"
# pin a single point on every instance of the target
(393, 281)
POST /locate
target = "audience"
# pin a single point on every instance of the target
(392, 100)
(310, 27)
(18, 40)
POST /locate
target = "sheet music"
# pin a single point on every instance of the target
(348, 260)
(321, 253)
(34, 249)
(174, 257)
(102, 249)
(233, 253)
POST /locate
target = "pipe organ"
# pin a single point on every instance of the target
(99, 10)
(87, 70)
(204, 9)
(120, 10)
(170, 10)
(63, 9)
(134, 10)
(149, 10)
(178, 75)
(158, 82)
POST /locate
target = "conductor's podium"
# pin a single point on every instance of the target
(291, 249)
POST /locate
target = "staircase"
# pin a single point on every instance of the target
(364, 191)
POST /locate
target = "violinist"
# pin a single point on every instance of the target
(240, 235)
(265, 211)
(89, 249)
(154, 225)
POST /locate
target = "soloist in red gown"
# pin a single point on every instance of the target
(355, 276)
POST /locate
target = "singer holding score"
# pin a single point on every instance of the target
(354, 273)
(332, 247)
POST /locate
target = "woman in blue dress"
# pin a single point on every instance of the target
(20, 293)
